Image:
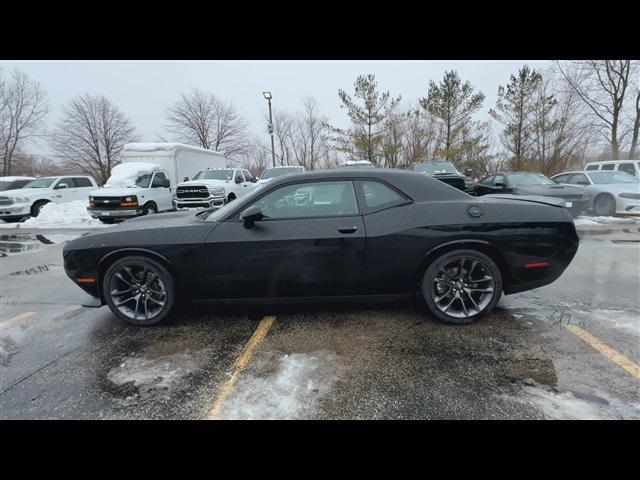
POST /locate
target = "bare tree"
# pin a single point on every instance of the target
(309, 136)
(200, 118)
(422, 136)
(23, 107)
(602, 85)
(35, 165)
(91, 135)
(635, 129)
(283, 131)
(256, 157)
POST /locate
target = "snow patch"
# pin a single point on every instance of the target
(289, 393)
(61, 215)
(582, 220)
(627, 320)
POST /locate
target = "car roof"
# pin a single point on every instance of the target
(11, 179)
(601, 162)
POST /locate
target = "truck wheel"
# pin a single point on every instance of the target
(149, 209)
(36, 208)
(231, 198)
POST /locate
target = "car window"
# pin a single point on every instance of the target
(82, 182)
(561, 179)
(487, 181)
(592, 167)
(627, 168)
(498, 179)
(320, 199)
(608, 166)
(64, 181)
(578, 179)
(247, 175)
(378, 196)
(158, 180)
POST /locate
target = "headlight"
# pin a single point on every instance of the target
(20, 199)
(217, 191)
(634, 196)
(131, 201)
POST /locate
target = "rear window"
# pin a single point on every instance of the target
(592, 167)
(608, 166)
(82, 182)
(627, 168)
(378, 196)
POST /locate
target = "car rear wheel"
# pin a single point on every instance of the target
(604, 205)
(139, 290)
(461, 286)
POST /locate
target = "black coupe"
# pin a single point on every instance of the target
(330, 234)
(575, 197)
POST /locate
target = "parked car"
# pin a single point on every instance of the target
(445, 172)
(609, 192)
(330, 234)
(28, 201)
(357, 164)
(632, 167)
(530, 183)
(14, 183)
(214, 187)
(273, 172)
(144, 182)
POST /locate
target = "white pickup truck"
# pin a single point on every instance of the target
(214, 187)
(28, 201)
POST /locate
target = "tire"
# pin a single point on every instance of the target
(108, 221)
(149, 209)
(37, 207)
(231, 198)
(126, 276)
(458, 303)
(604, 205)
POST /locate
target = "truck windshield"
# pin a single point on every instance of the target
(435, 168)
(40, 183)
(278, 172)
(214, 175)
(143, 180)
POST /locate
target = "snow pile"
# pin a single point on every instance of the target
(126, 174)
(62, 215)
(582, 220)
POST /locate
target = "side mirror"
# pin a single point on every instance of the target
(468, 172)
(166, 183)
(62, 185)
(185, 179)
(251, 215)
(238, 179)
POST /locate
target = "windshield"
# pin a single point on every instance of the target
(278, 172)
(143, 180)
(214, 175)
(40, 183)
(604, 178)
(524, 179)
(435, 167)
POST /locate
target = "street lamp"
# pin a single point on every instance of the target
(267, 96)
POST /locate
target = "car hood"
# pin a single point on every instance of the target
(551, 190)
(115, 191)
(546, 200)
(169, 219)
(208, 182)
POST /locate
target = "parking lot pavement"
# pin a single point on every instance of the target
(530, 359)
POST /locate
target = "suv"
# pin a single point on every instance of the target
(28, 201)
(632, 167)
(214, 187)
(273, 172)
(445, 172)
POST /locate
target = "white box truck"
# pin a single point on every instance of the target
(144, 183)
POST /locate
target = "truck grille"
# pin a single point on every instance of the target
(454, 182)
(192, 192)
(106, 203)
(6, 201)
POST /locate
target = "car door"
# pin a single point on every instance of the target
(161, 194)
(310, 244)
(64, 191)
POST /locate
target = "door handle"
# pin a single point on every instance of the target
(348, 229)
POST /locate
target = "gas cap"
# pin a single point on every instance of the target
(475, 212)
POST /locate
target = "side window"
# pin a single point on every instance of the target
(561, 178)
(320, 199)
(487, 181)
(158, 180)
(498, 179)
(64, 181)
(238, 174)
(608, 166)
(592, 167)
(579, 179)
(82, 182)
(378, 196)
(247, 176)
(627, 168)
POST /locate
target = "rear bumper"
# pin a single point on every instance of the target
(115, 213)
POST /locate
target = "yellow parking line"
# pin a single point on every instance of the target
(241, 362)
(607, 351)
(16, 319)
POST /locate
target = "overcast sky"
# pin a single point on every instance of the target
(142, 89)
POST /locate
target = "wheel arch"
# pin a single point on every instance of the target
(107, 260)
(482, 246)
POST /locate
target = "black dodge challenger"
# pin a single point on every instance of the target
(331, 234)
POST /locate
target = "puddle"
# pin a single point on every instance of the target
(12, 244)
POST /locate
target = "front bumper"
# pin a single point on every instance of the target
(576, 207)
(627, 206)
(211, 202)
(14, 210)
(115, 213)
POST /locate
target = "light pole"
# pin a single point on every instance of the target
(267, 95)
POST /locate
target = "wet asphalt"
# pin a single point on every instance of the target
(59, 360)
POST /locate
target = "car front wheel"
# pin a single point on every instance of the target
(461, 286)
(139, 290)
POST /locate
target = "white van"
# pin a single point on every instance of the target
(631, 167)
(145, 181)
